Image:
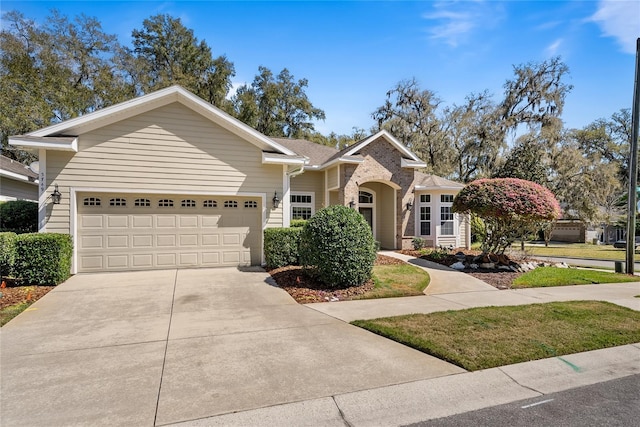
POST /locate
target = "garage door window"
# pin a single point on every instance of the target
(230, 204)
(251, 204)
(91, 201)
(142, 203)
(118, 202)
(209, 204)
(165, 203)
(188, 203)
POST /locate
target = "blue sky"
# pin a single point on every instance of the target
(353, 52)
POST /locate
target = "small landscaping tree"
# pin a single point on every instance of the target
(337, 247)
(509, 207)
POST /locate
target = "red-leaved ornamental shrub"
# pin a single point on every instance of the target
(510, 208)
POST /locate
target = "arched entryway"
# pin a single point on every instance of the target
(377, 204)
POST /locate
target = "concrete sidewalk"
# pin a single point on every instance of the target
(454, 290)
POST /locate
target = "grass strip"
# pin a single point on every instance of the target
(486, 337)
(578, 250)
(397, 281)
(553, 276)
(8, 313)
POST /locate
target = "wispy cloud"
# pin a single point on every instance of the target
(455, 21)
(552, 49)
(619, 19)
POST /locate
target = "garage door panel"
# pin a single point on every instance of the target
(142, 261)
(151, 237)
(166, 221)
(117, 261)
(117, 221)
(166, 240)
(142, 241)
(92, 242)
(117, 241)
(141, 221)
(188, 240)
(188, 221)
(91, 221)
(166, 260)
(210, 240)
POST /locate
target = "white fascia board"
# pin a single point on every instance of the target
(268, 159)
(57, 146)
(17, 176)
(343, 159)
(412, 164)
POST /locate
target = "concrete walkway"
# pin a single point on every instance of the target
(453, 290)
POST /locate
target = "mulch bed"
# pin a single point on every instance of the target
(14, 294)
(306, 290)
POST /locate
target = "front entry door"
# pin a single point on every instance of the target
(367, 213)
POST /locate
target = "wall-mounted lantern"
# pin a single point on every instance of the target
(276, 200)
(56, 195)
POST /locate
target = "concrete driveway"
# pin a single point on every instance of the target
(161, 347)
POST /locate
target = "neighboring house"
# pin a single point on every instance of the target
(167, 180)
(17, 181)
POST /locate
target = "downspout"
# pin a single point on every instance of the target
(295, 172)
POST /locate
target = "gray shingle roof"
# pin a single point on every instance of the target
(434, 181)
(316, 153)
(16, 167)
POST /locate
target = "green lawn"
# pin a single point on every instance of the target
(397, 281)
(553, 276)
(487, 337)
(575, 250)
(12, 311)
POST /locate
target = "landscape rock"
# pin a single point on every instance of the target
(473, 266)
(487, 265)
(458, 266)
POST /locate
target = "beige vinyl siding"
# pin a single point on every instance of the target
(333, 178)
(171, 150)
(11, 189)
(310, 182)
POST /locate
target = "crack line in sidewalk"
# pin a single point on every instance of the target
(164, 358)
(344, 419)
(521, 385)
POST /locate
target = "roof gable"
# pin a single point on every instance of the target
(355, 148)
(145, 103)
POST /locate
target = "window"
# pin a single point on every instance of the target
(251, 204)
(188, 203)
(118, 202)
(446, 198)
(302, 205)
(230, 204)
(446, 221)
(425, 220)
(142, 202)
(365, 197)
(165, 203)
(209, 204)
(91, 201)
(425, 198)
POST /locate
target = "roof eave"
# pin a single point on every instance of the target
(270, 159)
(24, 142)
(405, 163)
(344, 159)
(436, 187)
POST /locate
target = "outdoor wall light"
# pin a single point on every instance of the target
(352, 203)
(276, 200)
(56, 195)
(409, 205)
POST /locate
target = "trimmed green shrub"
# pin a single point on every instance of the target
(43, 258)
(298, 223)
(281, 246)
(19, 216)
(7, 253)
(337, 247)
(418, 243)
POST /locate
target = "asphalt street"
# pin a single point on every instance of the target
(612, 403)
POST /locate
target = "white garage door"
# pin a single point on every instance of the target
(140, 232)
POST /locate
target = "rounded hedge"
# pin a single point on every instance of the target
(19, 216)
(337, 247)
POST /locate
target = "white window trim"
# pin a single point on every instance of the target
(454, 220)
(417, 214)
(311, 205)
(374, 228)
